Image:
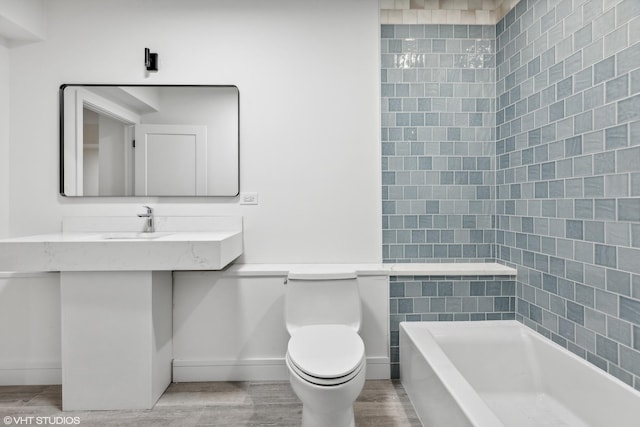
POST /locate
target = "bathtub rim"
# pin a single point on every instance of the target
(440, 326)
(474, 408)
(415, 331)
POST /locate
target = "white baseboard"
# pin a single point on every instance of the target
(30, 373)
(378, 368)
(184, 371)
(255, 370)
(230, 370)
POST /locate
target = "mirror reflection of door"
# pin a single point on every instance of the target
(196, 154)
(170, 160)
(90, 152)
(106, 150)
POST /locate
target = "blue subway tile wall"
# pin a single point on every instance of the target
(521, 143)
(446, 298)
(567, 183)
(438, 142)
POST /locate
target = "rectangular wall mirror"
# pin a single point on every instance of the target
(149, 140)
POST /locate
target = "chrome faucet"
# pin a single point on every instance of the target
(150, 228)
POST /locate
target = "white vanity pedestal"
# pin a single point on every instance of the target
(117, 297)
(116, 338)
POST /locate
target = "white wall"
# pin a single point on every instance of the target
(229, 327)
(4, 141)
(22, 21)
(30, 328)
(308, 77)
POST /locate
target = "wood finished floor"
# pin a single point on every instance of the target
(381, 403)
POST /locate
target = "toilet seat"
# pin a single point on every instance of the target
(326, 354)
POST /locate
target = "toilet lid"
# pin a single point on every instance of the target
(326, 351)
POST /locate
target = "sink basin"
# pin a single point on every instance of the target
(117, 244)
(134, 236)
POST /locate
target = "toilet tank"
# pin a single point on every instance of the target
(322, 296)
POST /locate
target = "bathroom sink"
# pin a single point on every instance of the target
(116, 297)
(134, 236)
(118, 244)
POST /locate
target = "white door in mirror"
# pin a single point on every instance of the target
(171, 160)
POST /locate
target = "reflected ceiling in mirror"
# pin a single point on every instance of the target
(149, 140)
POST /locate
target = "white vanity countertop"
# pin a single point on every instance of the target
(99, 237)
(79, 251)
(117, 244)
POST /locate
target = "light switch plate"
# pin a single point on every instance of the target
(248, 198)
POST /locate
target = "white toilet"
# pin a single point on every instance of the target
(325, 354)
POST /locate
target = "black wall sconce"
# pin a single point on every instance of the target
(150, 60)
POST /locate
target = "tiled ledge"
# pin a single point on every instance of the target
(416, 269)
(451, 269)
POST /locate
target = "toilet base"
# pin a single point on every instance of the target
(312, 418)
(331, 406)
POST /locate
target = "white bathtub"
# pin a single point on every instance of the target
(501, 373)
